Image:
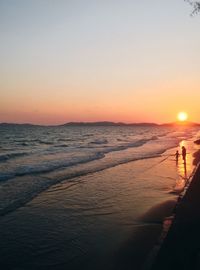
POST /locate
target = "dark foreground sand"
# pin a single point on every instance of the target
(181, 247)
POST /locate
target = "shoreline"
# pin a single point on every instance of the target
(106, 216)
(110, 225)
(178, 246)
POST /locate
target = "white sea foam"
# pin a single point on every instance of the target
(32, 169)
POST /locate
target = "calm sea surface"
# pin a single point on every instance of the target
(71, 197)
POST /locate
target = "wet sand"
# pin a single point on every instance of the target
(181, 247)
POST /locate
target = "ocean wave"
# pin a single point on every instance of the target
(25, 144)
(30, 186)
(121, 140)
(88, 135)
(5, 157)
(61, 145)
(45, 142)
(154, 138)
(49, 166)
(137, 143)
(66, 140)
(30, 142)
(99, 141)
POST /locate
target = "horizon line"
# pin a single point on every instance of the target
(101, 122)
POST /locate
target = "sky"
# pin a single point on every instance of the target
(95, 60)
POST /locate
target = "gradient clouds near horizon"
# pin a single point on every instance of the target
(90, 60)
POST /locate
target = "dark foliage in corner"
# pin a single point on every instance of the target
(195, 5)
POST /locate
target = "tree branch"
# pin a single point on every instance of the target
(195, 5)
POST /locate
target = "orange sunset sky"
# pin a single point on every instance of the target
(112, 60)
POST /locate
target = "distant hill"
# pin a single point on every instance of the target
(106, 123)
(17, 125)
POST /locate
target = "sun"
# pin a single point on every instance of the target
(182, 116)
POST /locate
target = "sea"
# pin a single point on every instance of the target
(88, 197)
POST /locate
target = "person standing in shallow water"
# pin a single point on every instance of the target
(184, 153)
(177, 155)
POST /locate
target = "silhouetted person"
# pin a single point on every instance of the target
(184, 153)
(177, 156)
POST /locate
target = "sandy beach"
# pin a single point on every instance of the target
(181, 248)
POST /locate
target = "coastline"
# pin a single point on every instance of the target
(180, 248)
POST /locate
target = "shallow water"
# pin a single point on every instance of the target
(34, 158)
(104, 219)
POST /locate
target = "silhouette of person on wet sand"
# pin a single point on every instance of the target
(184, 153)
(177, 155)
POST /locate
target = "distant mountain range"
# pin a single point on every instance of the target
(16, 125)
(104, 123)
